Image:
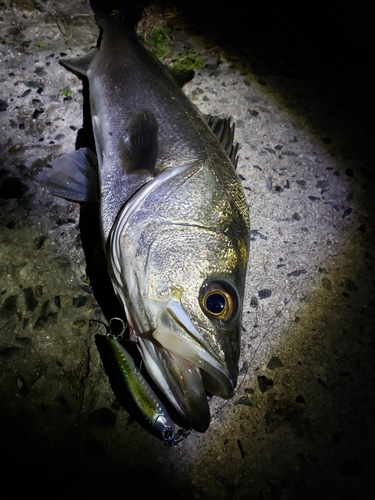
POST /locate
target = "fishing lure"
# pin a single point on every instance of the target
(151, 410)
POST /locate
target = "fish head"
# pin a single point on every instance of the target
(182, 285)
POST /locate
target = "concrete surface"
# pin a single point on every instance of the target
(301, 422)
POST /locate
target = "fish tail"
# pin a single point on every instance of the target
(126, 12)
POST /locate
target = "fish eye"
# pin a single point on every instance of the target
(218, 302)
(215, 303)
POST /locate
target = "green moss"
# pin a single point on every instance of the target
(159, 41)
(66, 92)
(187, 61)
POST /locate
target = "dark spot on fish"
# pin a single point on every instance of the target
(253, 112)
(30, 299)
(322, 184)
(300, 400)
(264, 383)
(38, 112)
(3, 105)
(301, 183)
(9, 307)
(270, 150)
(347, 212)
(287, 184)
(8, 352)
(279, 147)
(73, 128)
(289, 153)
(12, 187)
(279, 189)
(264, 294)
(249, 390)
(314, 198)
(57, 301)
(79, 301)
(103, 418)
(59, 137)
(257, 167)
(242, 177)
(297, 272)
(274, 362)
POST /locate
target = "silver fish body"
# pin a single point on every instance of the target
(174, 221)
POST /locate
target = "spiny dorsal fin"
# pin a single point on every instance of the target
(139, 150)
(224, 131)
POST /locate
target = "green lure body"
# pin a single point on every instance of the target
(151, 410)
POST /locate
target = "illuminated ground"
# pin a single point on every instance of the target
(301, 422)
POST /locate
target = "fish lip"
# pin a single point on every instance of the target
(206, 360)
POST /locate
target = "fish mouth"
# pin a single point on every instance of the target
(184, 366)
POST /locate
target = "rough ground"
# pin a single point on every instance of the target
(301, 422)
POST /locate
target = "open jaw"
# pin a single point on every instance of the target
(183, 367)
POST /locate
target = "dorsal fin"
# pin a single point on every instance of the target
(224, 129)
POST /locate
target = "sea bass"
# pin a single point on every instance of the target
(173, 215)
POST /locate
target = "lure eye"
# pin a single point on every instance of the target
(219, 302)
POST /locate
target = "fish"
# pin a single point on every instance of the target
(174, 218)
(151, 411)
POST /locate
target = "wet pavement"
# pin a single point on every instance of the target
(301, 422)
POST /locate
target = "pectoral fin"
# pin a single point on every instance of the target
(73, 176)
(138, 152)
